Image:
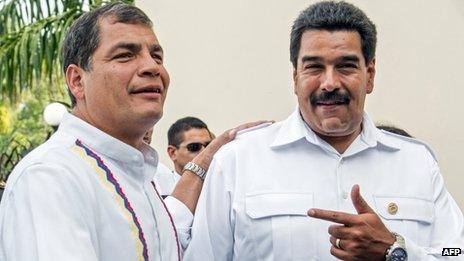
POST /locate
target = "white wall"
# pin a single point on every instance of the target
(229, 64)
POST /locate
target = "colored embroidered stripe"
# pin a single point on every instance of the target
(105, 173)
(171, 219)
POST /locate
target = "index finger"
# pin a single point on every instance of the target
(333, 216)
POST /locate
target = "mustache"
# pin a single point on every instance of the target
(335, 96)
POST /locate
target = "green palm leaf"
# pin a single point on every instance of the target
(31, 32)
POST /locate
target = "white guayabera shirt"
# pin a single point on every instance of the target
(260, 186)
(165, 179)
(84, 195)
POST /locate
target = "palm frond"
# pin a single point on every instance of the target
(31, 32)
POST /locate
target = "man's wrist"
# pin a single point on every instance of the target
(397, 251)
(203, 159)
(196, 169)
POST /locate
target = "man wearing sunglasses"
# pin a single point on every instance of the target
(186, 138)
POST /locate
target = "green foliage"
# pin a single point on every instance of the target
(5, 120)
(28, 129)
(15, 150)
(31, 32)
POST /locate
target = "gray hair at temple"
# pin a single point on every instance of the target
(334, 16)
(83, 37)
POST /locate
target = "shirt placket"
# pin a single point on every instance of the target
(343, 192)
(150, 194)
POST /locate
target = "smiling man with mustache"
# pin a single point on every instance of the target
(263, 186)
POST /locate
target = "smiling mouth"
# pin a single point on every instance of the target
(147, 90)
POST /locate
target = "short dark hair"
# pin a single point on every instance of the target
(334, 16)
(83, 37)
(394, 129)
(176, 131)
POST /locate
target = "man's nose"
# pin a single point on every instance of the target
(330, 80)
(149, 67)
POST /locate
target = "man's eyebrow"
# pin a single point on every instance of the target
(345, 58)
(349, 58)
(156, 48)
(310, 58)
(133, 47)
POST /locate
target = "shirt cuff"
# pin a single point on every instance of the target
(182, 217)
(415, 252)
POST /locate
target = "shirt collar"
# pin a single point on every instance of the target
(295, 128)
(104, 144)
(371, 135)
(292, 129)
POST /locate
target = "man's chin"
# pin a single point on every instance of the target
(334, 128)
(151, 115)
(337, 130)
(334, 133)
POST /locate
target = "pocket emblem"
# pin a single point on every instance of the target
(392, 208)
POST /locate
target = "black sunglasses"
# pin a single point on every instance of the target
(195, 146)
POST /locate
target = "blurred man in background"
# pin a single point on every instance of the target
(186, 138)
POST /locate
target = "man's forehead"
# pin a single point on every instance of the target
(313, 35)
(127, 36)
(333, 43)
(194, 132)
(109, 26)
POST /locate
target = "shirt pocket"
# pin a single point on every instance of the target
(407, 216)
(280, 226)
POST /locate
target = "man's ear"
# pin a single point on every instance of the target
(370, 76)
(74, 80)
(172, 152)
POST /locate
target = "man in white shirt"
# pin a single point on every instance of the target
(187, 137)
(261, 187)
(87, 193)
